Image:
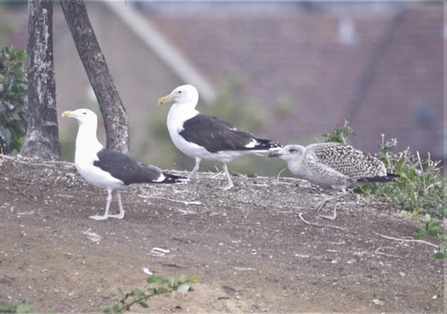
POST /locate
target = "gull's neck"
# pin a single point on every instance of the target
(182, 111)
(87, 144)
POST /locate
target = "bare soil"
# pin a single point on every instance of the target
(248, 246)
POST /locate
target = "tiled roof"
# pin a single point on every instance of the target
(298, 56)
(390, 80)
(405, 99)
(295, 56)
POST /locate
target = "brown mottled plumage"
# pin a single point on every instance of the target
(333, 166)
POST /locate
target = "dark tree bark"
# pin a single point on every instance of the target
(42, 138)
(112, 109)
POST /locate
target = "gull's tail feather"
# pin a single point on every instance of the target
(172, 178)
(390, 177)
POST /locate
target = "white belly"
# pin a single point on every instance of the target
(176, 117)
(94, 175)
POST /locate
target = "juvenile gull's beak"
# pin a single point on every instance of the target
(68, 114)
(164, 100)
(274, 154)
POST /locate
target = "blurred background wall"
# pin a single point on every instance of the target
(288, 71)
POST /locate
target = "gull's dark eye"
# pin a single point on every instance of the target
(84, 113)
(293, 150)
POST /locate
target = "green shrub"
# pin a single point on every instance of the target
(420, 188)
(13, 92)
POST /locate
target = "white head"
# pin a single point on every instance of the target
(185, 94)
(84, 117)
(87, 144)
(289, 152)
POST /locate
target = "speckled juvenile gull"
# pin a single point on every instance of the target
(206, 137)
(108, 168)
(333, 166)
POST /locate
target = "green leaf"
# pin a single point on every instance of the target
(116, 309)
(442, 237)
(23, 308)
(137, 293)
(7, 307)
(160, 291)
(440, 255)
(435, 223)
(193, 279)
(156, 279)
(143, 304)
(151, 291)
(21, 55)
(433, 231)
(420, 234)
(183, 288)
(120, 292)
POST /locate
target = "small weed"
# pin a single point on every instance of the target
(438, 289)
(17, 308)
(340, 134)
(433, 228)
(157, 285)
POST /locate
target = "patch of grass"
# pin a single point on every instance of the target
(157, 285)
(420, 188)
(433, 227)
(17, 308)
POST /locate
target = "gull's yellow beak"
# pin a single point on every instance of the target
(164, 100)
(68, 114)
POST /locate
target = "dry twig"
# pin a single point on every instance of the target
(320, 225)
(405, 240)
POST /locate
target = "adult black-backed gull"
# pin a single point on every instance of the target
(107, 168)
(206, 137)
(333, 166)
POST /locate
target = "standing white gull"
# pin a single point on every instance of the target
(206, 137)
(333, 166)
(108, 168)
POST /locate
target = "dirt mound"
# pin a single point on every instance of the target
(248, 246)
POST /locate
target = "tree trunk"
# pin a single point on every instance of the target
(42, 138)
(112, 109)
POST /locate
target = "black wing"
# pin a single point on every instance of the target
(129, 170)
(217, 135)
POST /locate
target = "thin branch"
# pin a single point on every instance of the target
(170, 200)
(46, 163)
(385, 254)
(320, 225)
(406, 240)
(284, 169)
